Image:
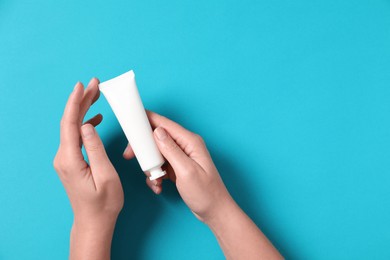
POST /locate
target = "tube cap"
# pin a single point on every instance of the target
(156, 173)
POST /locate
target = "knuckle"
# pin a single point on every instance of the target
(66, 122)
(191, 170)
(60, 166)
(198, 139)
(56, 164)
(108, 182)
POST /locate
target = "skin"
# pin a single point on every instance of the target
(96, 194)
(94, 189)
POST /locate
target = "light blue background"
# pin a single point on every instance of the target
(292, 98)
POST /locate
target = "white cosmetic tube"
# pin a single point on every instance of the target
(122, 95)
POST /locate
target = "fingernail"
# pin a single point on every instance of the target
(91, 82)
(75, 86)
(155, 182)
(161, 133)
(87, 130)
(125, 152)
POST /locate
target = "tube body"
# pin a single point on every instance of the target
(123, 96)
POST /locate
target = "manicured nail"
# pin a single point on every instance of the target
(87, 130)
(161, 133)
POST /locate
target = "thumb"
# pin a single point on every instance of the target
(179, 161)
(94, 147)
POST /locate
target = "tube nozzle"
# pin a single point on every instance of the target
(156, 173)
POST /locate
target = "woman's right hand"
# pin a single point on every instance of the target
(190, 167)
(199, 184)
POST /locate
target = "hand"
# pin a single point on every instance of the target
(190, 167)
(202, 189)
(94, 189)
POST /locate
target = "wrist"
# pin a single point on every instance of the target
(94, 226)
(91, 240)
(225, 208)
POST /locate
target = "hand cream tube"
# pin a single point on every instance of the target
(122, 95)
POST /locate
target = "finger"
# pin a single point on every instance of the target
(170, 173)
(128, 153)
(154, 186)
(95, 121)
(96, 153)
(177, 130)
(69, 123)
(179, 161)
(184, 138)
(91, 94)
(97, 95)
